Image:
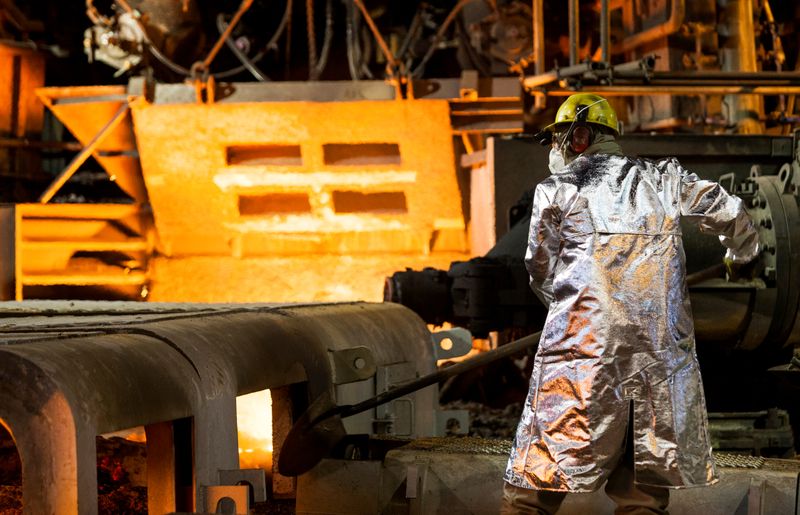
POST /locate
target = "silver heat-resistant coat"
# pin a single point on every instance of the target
(605, 253)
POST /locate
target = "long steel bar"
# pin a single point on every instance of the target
(44, 145)
(574, 32)
(560, 73)
(84, 154)
(634, 70)
(691, 90)
(728, 75)
(605, 32)
(538, 36)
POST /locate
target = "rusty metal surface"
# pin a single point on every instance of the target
(104, 245)
(195, 167)
(8, 269)
(85, 110)
(319, 278)
(21, 114)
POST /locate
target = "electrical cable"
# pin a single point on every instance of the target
(272, 44)
(288, 49)
(327, 39)
(352, 60)
(366, 52)
(416, 25)
(246, 62)
(176, 68)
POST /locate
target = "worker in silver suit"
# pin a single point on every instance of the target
(615, 395)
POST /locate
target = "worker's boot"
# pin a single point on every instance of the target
(518, 500)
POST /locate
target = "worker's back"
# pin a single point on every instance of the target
(621, 260)
(605, 252)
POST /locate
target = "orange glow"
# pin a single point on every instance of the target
(137, 435)
(254, 419)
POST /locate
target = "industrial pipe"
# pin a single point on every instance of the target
(574, 32)
(538, 36)
(605, 32)
(672, 25)
(690, 90)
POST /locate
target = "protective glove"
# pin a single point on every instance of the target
(742, 271)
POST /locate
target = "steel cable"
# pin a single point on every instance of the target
(327, 40)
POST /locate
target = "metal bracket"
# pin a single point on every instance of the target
(351, 365)
(84, 154)
(216, 497)
(416, 482)
(787, 177)
(256, 478)
(451, 343)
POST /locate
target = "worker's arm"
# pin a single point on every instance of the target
(543, 245)
(715, 211)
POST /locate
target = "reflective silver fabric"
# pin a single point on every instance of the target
(605, 254)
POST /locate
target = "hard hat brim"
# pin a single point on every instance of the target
(555, 125)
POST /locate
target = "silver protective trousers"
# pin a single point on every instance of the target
(630, 498)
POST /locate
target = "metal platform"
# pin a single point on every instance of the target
(464, 476)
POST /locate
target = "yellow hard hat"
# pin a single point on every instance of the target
(585, 107)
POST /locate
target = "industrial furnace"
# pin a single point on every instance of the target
(199, 196)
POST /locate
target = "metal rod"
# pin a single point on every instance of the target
(381, 42)
(37, 144)
(711, 272)
(225, 35)
(538, 36)
(703, 83)
(560, 73)
(605, 32)
(574, 32)
(690, 90)
(634, 69)
(83, 155)
(637, 68)
(727, 75)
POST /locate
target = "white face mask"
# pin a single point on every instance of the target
(557, 160)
